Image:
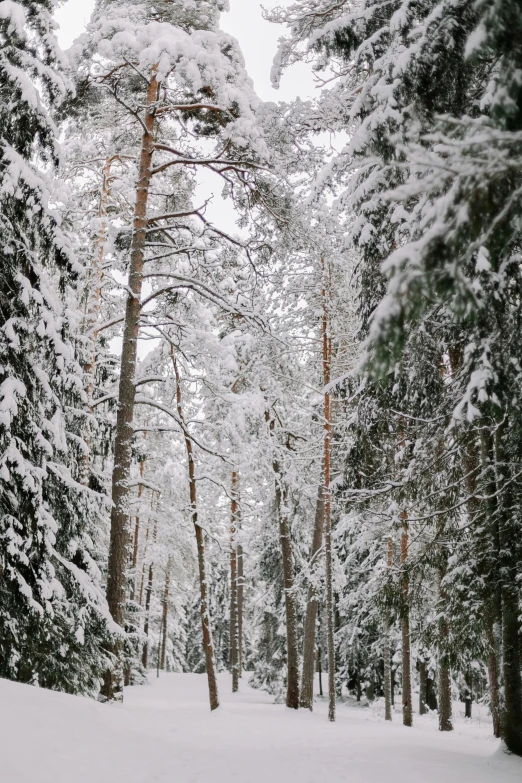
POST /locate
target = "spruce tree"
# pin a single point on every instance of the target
(50, 603)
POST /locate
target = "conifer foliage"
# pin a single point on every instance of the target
(50, 594)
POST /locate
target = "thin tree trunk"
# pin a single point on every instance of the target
(387, 650)
(148, 594)
(128, 668)
(493, 676)
(292, 685)
(119, 536)
(233, 628)
(405, 627)
(136, 541)
(423, 682)
(468, 695)
(285, 539)
(165, 615)
(445, 706)
(327, 357)
(208, 647)
(240, 601)
(307, 682)
(320, 651)
(142, 581)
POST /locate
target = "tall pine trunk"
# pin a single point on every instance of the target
(327, 357)
(119, 536)
(307, 681)
(208, 647)
(407, 716)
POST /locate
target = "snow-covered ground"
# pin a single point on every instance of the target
(166, 733)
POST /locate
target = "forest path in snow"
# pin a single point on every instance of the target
(165, 733)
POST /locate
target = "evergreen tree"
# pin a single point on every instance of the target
(51, 615)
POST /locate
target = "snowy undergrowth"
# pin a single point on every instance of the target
(165, 732)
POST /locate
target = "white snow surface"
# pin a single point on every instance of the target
(165, 732)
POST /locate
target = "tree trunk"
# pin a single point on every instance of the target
(165, 616)
(233, 628)
(307, 683)
(423, 683)
(320, 652)
(119, 536)
(240, 600)
(285, 538)
(405, 627)
(148, 594)
(327, 359)
(445, 706)
(468, 695)
(136, 541)
(431, 696)
(208, 647)
(387, 650)
(292, 651)
(142, 580)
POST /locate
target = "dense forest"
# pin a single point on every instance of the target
(289, 447)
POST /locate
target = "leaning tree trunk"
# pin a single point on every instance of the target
(387, 646)
(327, 360)
(233, 628)
(119, 536)
(307, 682)
(208, 646)
(405, 627)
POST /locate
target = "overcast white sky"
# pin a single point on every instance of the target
(257, 38)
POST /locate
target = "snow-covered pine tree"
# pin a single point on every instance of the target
(173, 60)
